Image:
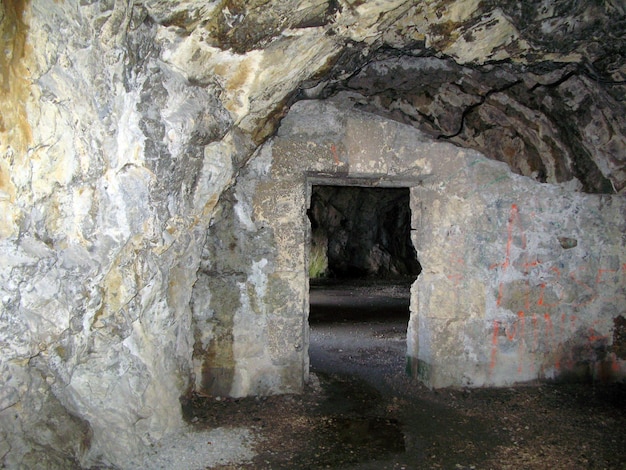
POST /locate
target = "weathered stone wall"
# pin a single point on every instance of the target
(106, 183)
(521, 280)
(250, 300)
(121, 125)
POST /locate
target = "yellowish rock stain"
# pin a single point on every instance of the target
(15, 130)
(239, 78)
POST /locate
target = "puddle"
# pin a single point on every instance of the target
(380, 435)
(352, 424)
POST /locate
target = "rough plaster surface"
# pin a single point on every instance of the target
(122, 125)
(521, 280)
(253, 256)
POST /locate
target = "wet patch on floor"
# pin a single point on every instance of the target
(377, 435)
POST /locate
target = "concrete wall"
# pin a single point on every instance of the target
(520, 281)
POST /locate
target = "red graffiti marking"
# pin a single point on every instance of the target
(457, 264)
(512, 336)
(601, 272)
(333, 149)
(560, 297)
(601, 279)
(593, 334)
(513, 220)
(455, 278)
(535, 322)
(588, 290)
(543, 288)
(494, 343)
(556, 332)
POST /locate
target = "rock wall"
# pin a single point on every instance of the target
(363, 232)
(105, 193)
(122, 124)
(554, 123)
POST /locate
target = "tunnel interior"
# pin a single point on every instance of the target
(362, 260)
(361, 266)
(155, 169)
(361, 233)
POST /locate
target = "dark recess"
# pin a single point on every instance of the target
(366, 232)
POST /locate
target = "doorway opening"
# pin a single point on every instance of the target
(361, 267)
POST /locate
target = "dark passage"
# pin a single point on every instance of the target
(361, 233)
(362, 267)
(362, 260)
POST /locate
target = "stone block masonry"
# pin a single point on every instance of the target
(521, 281)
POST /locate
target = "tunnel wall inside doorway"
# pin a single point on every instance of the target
(521, 280)
(362, 233)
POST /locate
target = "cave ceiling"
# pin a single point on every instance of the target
(539, 85)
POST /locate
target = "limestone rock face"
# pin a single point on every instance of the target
(106, 190)
(363, 232)
(123, 123)
(544, 123)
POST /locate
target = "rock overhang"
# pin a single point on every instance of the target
(389, 53)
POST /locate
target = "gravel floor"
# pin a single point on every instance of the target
(200, 449)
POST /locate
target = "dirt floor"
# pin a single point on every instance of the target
(361, 411)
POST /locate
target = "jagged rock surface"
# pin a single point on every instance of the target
(363, 232)
(554, 124)
(124, 122)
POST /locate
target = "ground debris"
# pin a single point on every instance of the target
(363, 414)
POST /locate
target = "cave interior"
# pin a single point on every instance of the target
(170, 172)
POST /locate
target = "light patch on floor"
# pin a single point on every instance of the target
(198, 450)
